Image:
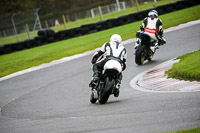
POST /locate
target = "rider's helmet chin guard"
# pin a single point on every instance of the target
(116, 38)
(153, 12)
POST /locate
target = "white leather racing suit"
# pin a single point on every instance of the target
(152, 27)
(108, 51)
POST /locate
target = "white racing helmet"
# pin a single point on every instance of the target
(116, 38)
(153, 12)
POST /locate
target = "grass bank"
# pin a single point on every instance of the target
(21, 60)
(196, 130)
(188, 68)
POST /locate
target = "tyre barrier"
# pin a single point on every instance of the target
(89, 28)
(46, 36)
(46, 32)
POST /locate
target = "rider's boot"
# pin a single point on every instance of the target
(161, 40)
(153, 48)
(117, 85)
(95, 94)
(137, 43)
(95, 79)
(93, 84)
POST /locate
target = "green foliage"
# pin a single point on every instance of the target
(188, 68)
(196, 130)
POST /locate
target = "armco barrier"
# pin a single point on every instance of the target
(46, 36)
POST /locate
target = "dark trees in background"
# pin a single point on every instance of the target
(50, 6)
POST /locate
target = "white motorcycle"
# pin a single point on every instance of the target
(107, 83)
(146, 48)
(144, 51)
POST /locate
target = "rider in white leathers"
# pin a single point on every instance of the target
(152, 26)
(110, 50)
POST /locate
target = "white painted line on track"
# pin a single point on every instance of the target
(65, 59)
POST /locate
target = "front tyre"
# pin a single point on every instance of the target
(140, 54)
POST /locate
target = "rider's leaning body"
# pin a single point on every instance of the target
(152, 26)
(110, 50)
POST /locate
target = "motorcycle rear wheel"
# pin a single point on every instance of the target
(107, 90)
(140, 54)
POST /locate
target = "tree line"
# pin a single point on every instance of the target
(47, 6)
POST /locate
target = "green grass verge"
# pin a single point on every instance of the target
(21, 37)
(21, 60)
(24, 36)
(188, 68)
(196, 130)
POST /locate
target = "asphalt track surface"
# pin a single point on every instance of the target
(56, 99)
